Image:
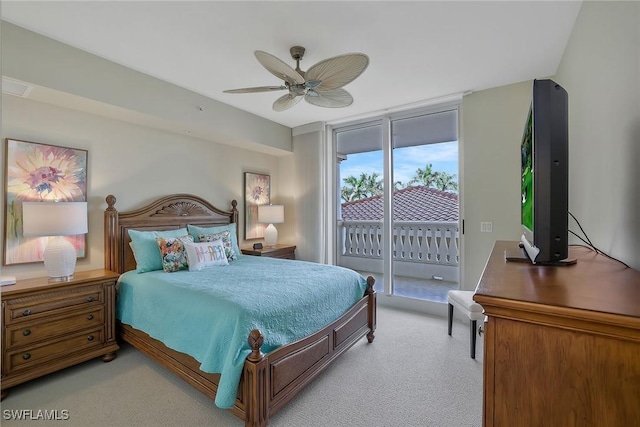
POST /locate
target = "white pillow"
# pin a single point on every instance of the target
(205, 254)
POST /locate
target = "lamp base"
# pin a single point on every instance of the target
(60, 259)
(270, 236)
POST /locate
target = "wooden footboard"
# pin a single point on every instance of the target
(270, 380)
(292, 367)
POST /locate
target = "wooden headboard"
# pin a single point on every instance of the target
(166, 213)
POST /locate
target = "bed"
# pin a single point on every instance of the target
(271, 375)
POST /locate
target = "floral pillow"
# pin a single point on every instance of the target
(174, 255)
(205, 254)
(226, 241)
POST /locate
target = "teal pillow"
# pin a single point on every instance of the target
(145, 247)
(196, 231)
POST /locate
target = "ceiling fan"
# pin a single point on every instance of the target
(320, 85)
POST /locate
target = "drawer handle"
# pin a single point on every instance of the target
(26, 332)
(89, 299)
(26, 312)
(90, 338)
(90, 317)
(26, 356)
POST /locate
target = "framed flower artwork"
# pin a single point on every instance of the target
(39, 172)
(257, 191)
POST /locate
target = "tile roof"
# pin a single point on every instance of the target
(416, 203)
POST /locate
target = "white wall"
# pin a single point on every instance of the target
(137, 164)
(308, 167)
(492, 125)
(600, 70)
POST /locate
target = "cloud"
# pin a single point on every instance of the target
(407, 160)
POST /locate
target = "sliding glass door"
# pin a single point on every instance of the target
(397, 216)
(424, 225)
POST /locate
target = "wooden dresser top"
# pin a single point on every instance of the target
(595, 283)
(39, 283)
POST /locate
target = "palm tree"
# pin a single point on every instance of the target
(426, 176)
(373, 184)
(359, 188)
(446, 181)
(353, 190)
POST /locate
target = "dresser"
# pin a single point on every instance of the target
(279, 251)
(562, 344)
(47, 325)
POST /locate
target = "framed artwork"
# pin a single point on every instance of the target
(257, 191)
(39, 172)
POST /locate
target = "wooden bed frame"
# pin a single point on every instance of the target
(268, 381)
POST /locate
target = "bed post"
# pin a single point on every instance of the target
(371, 293)
(111, 238)
(234, 217)
(256, 383)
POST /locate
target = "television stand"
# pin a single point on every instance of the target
(518, 254)
(561, 345)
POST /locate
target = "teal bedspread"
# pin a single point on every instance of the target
(208, 314)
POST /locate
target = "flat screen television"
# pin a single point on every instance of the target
(545, 176)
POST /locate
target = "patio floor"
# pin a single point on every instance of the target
(410, 287)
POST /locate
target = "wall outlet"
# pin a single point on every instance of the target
(486, 227)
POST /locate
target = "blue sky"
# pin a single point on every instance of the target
(443, 156)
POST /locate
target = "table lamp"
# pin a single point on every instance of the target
(57, 219)
(271, 214)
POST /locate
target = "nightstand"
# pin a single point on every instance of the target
(279, 251)
(48, 326)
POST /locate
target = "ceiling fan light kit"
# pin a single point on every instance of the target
(320, 85)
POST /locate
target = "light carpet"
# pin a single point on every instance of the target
(412, 375)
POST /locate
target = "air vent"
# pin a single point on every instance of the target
(15, 88)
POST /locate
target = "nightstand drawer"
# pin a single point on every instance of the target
(30, 332)
(29, 307)
(23, 359)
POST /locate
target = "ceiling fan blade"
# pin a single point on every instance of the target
(331, 99)
(278, 68)
(337, 71)
(255, 89)
(286, 101)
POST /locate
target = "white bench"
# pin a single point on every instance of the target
(463, 300)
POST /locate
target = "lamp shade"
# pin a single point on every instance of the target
(54, 218)
(271, 214)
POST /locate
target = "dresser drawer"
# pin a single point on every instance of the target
(26, 333)
(51, 303)
(38, 354)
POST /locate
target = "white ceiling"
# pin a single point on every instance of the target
(419, 51)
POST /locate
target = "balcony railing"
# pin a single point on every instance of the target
(420, 249)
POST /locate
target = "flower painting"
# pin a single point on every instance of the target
(257, 191)
(39, 172)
